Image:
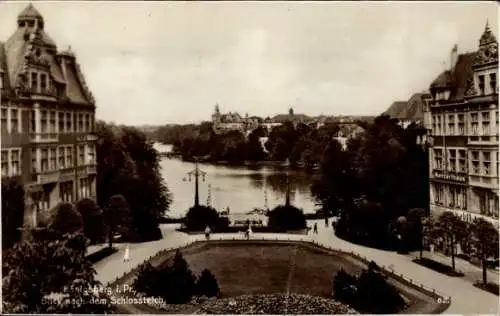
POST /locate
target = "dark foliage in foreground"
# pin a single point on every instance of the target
(370, 292)
(283, 218)
(50, 264)
(207, 284)
(175, 283)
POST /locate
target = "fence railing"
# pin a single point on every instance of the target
(388, 271)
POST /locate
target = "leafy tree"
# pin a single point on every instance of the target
(416, 227)
(93, 220)
(370, 292)
(118, 217)
(383, 176)
(35, 269)
(254, 150)
(67, 219)
(344, 287)
(284, 218)
(376, 295)
(484, 239)
(453, 230)
(281, 141)
(182, 282)
(129, 165)
(148, 281)
(12, 212)
(207, 284)
(333, 186)
(198, 217)
(147, 194)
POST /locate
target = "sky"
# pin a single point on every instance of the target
(171, 62)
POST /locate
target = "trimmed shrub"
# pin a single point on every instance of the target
(207, 284)
(283, 218)
(198, 217)
(369, 293)
(344, 287)
(67, 219)
(93, 220)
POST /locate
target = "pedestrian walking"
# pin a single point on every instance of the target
(126, 256)
(315, 228)
(249, 231)
(207, 232)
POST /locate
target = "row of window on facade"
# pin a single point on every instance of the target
(480, 162)
(49, 121)
(61, 157)
(42, 201)
(46, 159)
(478, 124)
(11, 162)
(456, 197)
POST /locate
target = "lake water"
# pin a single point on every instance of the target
(239, 188)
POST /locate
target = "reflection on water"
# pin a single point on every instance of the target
(239, 188)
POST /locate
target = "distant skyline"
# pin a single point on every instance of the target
(151, 63)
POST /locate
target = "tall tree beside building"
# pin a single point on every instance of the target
(484, 238)
(452, 229)
(380, 176)
(12, 212)
(129, 165)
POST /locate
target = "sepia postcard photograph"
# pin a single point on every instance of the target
(249, 157)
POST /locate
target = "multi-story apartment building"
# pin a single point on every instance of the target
(47, 119)
(463, 121)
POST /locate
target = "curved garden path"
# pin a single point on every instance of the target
(465, 298)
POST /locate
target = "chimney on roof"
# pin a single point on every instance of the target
(453, 56)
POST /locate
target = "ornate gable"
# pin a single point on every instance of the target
(488, 48)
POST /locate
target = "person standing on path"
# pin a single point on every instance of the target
(249, 231)
(207, 232)
(126, 256)
(315, 228)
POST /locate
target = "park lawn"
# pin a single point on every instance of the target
(265, 268)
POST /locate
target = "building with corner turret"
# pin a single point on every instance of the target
(462, 118)
(47, 119)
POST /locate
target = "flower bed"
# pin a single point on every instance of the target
(438, 267)
(274, 304)
(493, 288)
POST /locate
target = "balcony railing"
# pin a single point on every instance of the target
(488, 181)
(44, 137)
(450, 176)
(46, 177)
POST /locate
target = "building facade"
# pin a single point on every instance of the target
(47, 119)
(463, 123)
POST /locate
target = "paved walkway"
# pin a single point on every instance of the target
(471, 271)
(466, 299)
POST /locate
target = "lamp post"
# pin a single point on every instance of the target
(425, 142)
(196, 172)
(287, 196)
